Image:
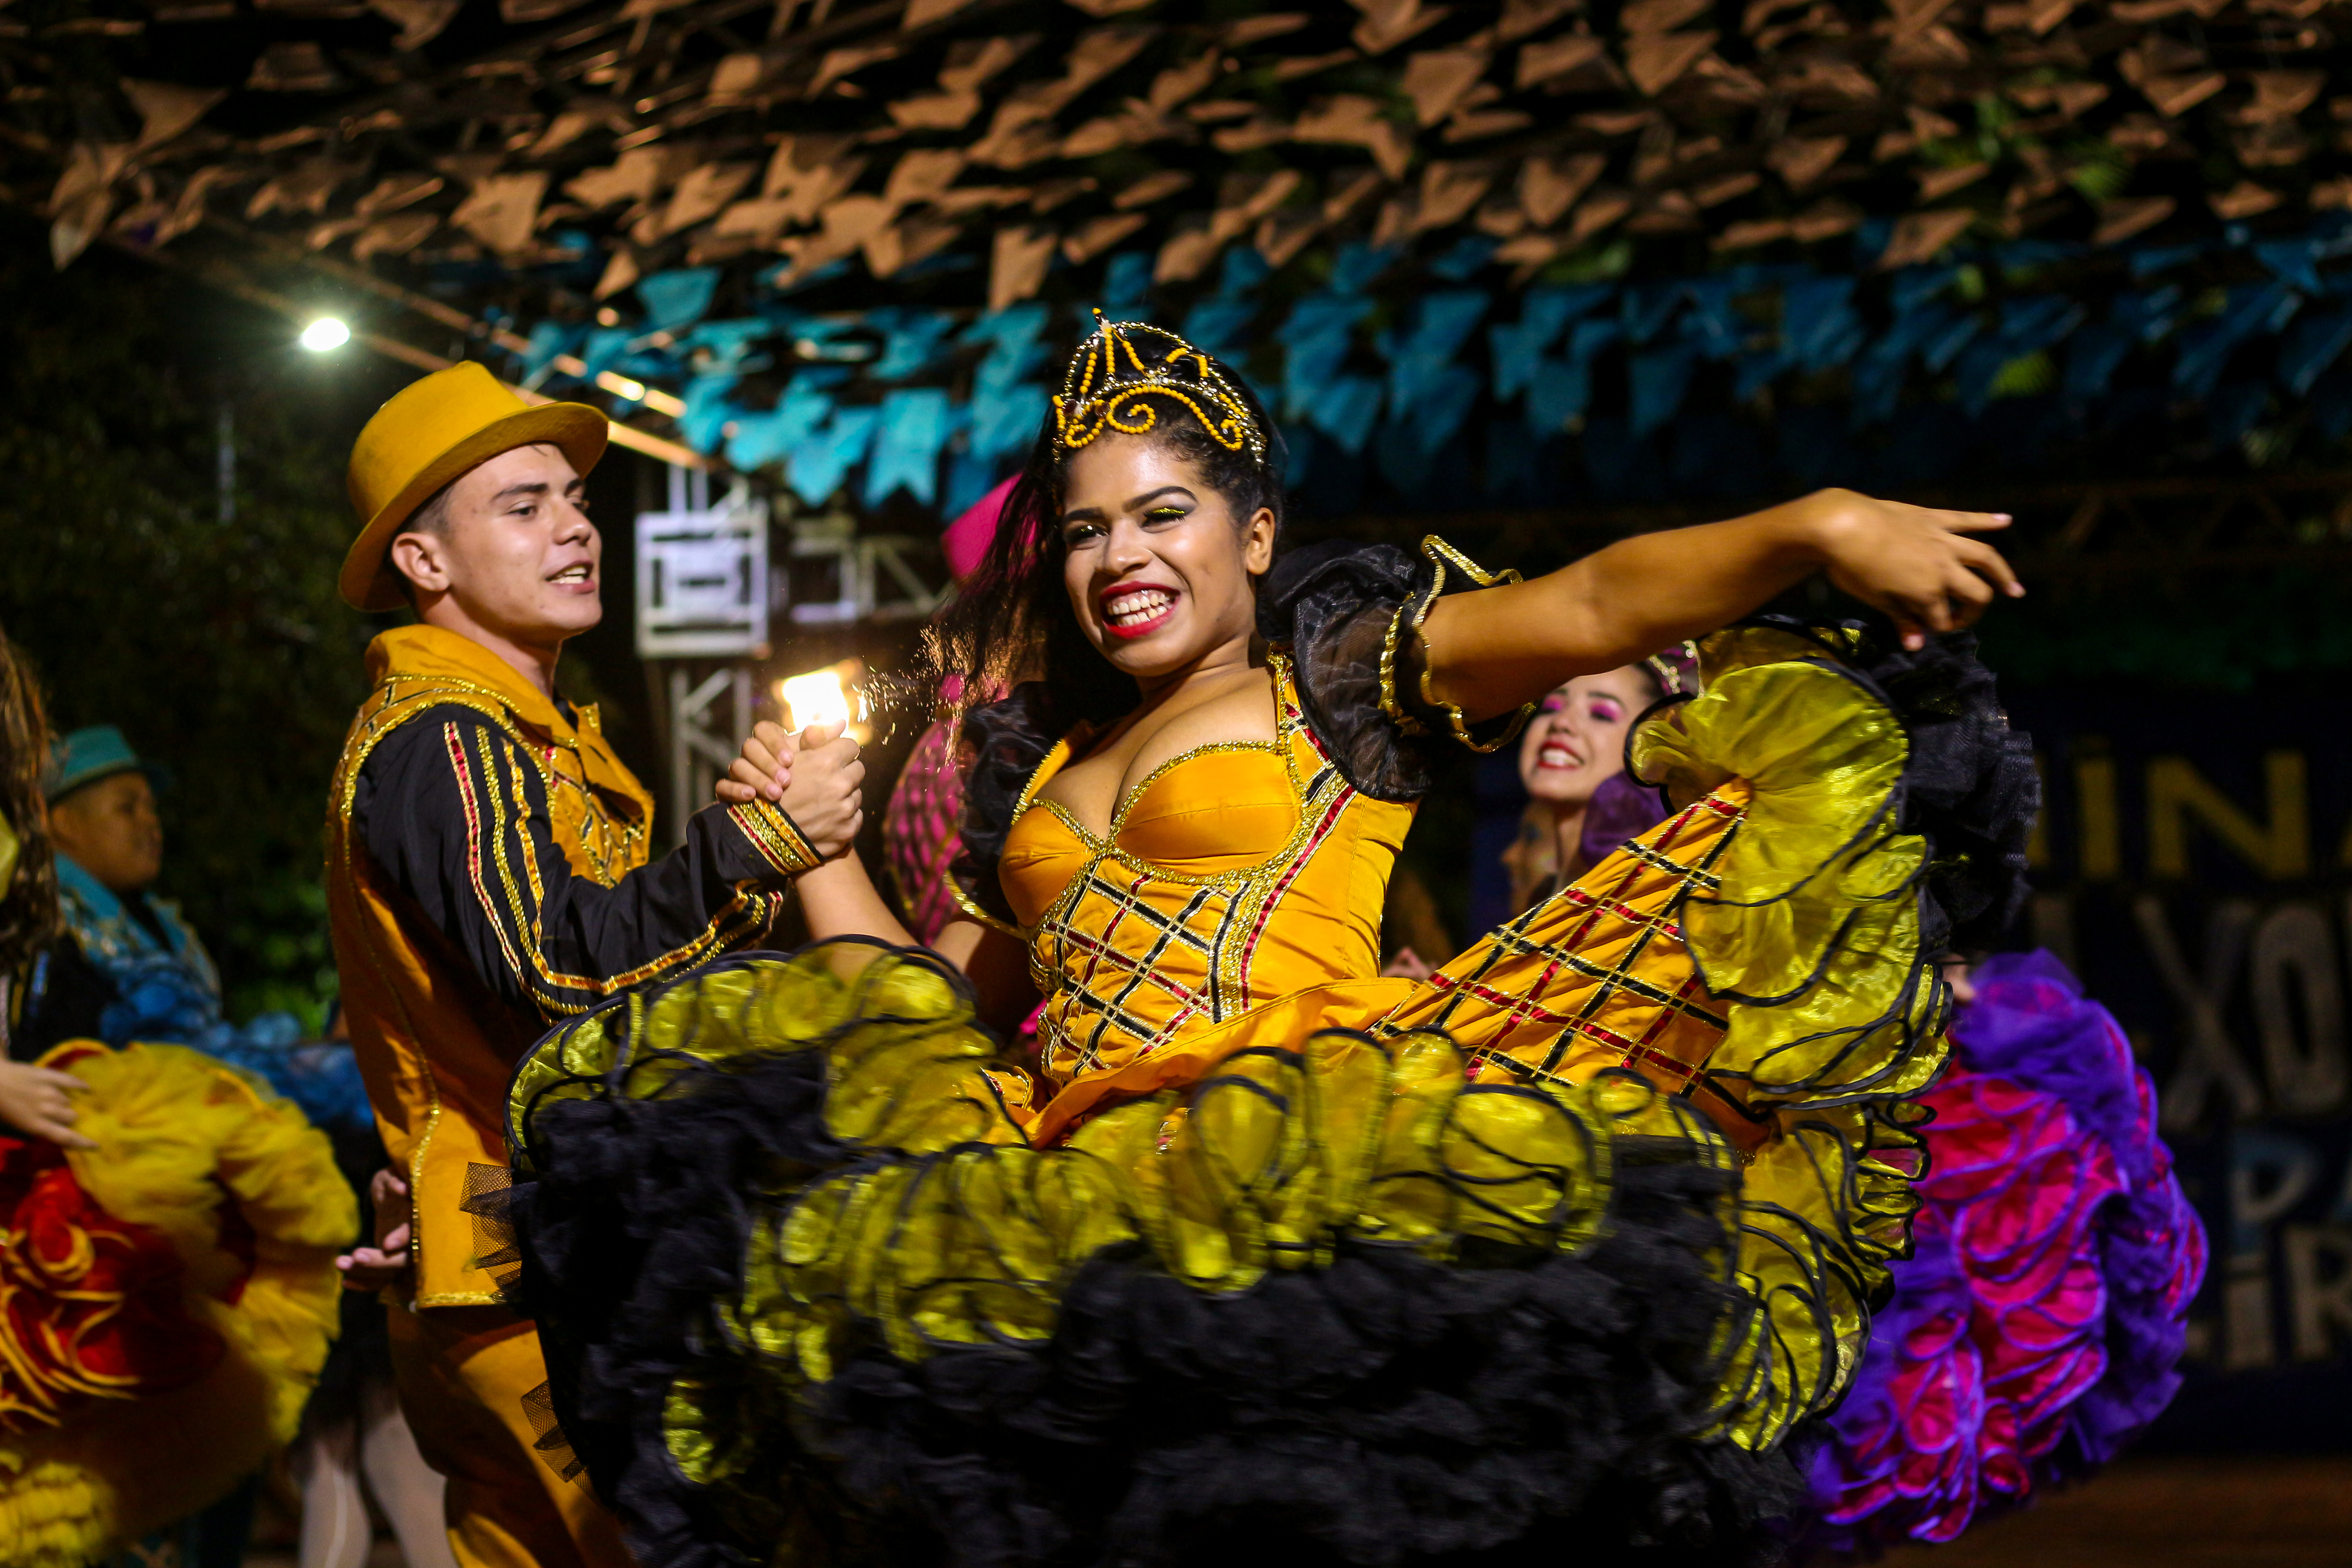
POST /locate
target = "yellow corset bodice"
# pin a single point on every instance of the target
(1233, 874)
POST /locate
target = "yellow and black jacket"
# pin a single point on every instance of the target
(486, 875)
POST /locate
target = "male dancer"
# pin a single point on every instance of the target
(487, 874)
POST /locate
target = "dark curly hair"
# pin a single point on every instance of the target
(1012, 620)
(29, 904)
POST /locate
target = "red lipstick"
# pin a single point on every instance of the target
(1132, 628)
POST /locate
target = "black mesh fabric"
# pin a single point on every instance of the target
(1005, 739)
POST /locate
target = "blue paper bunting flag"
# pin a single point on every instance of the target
(1218, 326)
(1014, 323)
(1658, 379)
(762, 438)
(548, 340)
(1819, 322)
(1243, 271)
(1980, 367)
(913, 341)
(675, 301)
(1127, 281)
(1461, 260)
(2205, 350)
(1359, 266)
(2295, 261)
(1316, 338)
(2153, 259)
(1878, 374)
(2310, 346)
(1436, 415)
(1560, 391)
(1421, 357)
(823, 459)
(728, 342)
(2092, 357)
(1007, 420)
(603, 349)
(1954, 332)
(914, 426)
(1912, 286)
(2148, 313)
(708, 410)
(1713, 323)
(1345, 410)
(1645, 308)
(1544, 313)
(1760, 370)
(968, 480)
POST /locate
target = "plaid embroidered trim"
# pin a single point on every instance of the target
(1597, 975)
(1132, 955)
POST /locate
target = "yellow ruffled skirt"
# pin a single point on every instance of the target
(236, 1200)
(1579, 1230)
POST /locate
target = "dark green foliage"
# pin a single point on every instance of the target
(221, 650)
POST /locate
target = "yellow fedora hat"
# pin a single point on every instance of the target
(429, 434)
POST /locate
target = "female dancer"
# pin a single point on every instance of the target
(1572, 765)
(1271, 1256)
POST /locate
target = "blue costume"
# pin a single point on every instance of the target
(134, 969)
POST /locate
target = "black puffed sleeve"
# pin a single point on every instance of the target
(1350, 615)
(1005, 741)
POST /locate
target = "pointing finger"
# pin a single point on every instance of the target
(1983, 558)
(1973, 521)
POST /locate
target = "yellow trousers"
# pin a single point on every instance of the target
(462, 1373)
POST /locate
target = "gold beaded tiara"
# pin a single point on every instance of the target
(1124, 364)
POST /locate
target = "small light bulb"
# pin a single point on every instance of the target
(325, 333)
(634, 391)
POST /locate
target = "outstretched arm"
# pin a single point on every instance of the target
(1491, 651)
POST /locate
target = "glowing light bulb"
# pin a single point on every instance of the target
(325, 333)
(634, 391)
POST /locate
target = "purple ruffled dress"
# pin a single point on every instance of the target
(2036, 1328)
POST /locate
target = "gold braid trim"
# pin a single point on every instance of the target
(1441, 556)
(963, 902)
(777, 837)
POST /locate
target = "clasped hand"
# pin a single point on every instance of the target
(814, 775)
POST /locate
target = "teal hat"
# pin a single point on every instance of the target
(86, 756)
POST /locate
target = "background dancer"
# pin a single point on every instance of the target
(129, 966)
